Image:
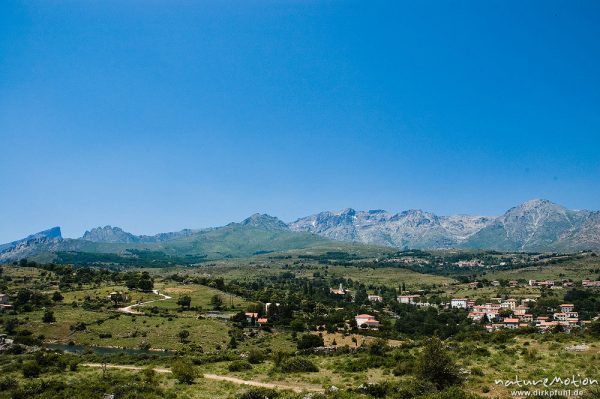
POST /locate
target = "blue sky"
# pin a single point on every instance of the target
(160, 115)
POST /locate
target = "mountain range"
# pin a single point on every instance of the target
(534, 226)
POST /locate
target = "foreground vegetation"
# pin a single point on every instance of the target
(183, 332)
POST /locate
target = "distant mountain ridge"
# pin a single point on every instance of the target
(540, 225)
(415, 229)
(536, 225)
(109, 234)
(50, 234)
(254, 235)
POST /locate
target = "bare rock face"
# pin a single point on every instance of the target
(51, 238)
(536, 225)
(539, 225)
(410, 229)
(109, 234)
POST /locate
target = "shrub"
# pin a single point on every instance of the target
(79, 326)
(298, 365)
(184, 371)
(308, 341)
(31, 369)
(436, 366)
(259, 393)
(255, 356)
(239, 365)
(7, 383)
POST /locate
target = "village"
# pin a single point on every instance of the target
(496, 314)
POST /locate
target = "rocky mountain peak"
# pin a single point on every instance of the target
(264, 221)
(109, 234)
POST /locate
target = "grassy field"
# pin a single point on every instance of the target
(201, 297)
(577, 270)
(387, 276)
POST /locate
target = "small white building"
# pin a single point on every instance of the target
(511, 323)
(408, 299)
(459, 303)
(567, 307)
(509, 304)
(375, 298)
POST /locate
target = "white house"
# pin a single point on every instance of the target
(366, 320)
(459, 303)
(375, 298)
(567, 307)
(511, 323)
(408, 299)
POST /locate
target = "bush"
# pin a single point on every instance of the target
(255, 356)
(414, 388)
(436, 366)
(31, 369)
(308, 341)
(239, 365)
(7, 383)
(259, 393)
(184, 371)
(298, 365)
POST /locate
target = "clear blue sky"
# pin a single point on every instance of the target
(160, 115)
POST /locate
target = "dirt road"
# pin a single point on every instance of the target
(216, 377)
(129, 309)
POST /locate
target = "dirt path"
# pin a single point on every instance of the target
(129, 309)
(216, 377)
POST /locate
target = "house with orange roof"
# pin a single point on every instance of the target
(366, 320)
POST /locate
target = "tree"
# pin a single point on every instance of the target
(436, 366)
(216, 301)
(361, 295)
(149, 375)
(308, 341)
(183, 335)
(145, 282)
(57, 296)
(594, 328)
(378, 347)
(232, 342)
(184, 301)
(10, 325)
(48, 317)
(184, 371)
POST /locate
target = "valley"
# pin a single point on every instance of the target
(261, 325)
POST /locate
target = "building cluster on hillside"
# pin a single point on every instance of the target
(511, 313)
(468, 263)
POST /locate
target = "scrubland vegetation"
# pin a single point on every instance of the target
(67, 337)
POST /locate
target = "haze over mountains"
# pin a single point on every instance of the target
(536, 225)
